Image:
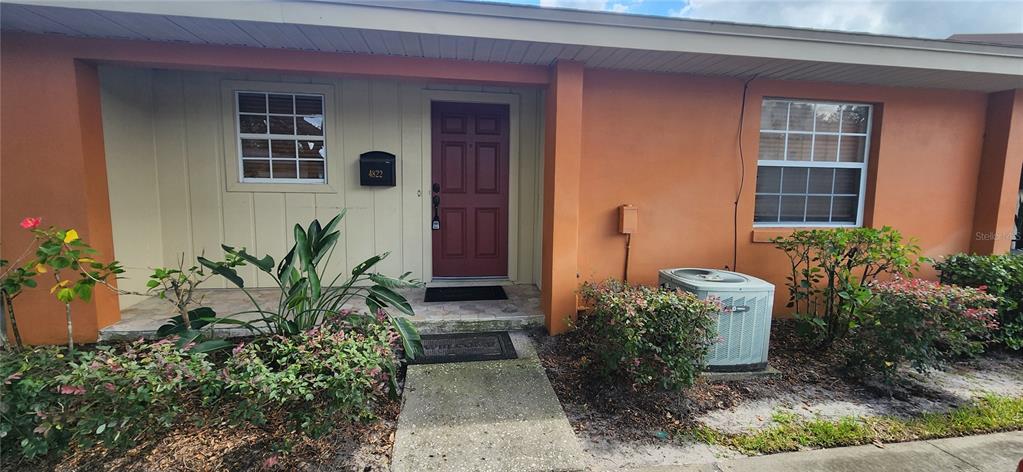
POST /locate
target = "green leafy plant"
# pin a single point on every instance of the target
(13, 280)
(28, 395)
(999, 275)
(646, 336)
(112, 396)
(330, 373)
(304, 297)
(831, 270)
(920, 323)
(178, 286)
(70, 261)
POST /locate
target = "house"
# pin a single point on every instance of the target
(159, 129)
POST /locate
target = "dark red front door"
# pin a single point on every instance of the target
(470, 189)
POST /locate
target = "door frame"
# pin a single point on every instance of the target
(510, 99)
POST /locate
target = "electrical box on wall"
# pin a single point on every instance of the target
(376, 169)
(628, 219)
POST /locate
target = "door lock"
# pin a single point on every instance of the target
(435, 224)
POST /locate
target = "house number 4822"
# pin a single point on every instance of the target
(375, 174)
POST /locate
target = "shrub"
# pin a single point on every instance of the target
(1001, 276)
(647, 336)
(114, 396)
(921, 323)
(333, 372)
(27, 395)
(831, 271)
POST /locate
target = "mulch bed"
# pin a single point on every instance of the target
(351, 447)
(619, 411)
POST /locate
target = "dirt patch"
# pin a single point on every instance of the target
(622, 426)
(351, 447)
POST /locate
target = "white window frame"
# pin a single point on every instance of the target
(863, 166)
(268, 136)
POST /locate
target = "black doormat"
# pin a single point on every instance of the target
(466, 347)
(465, 294)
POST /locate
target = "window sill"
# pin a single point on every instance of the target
(765, 234)
(262, 187)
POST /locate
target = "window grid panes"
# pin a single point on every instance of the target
(812, 163)
(281, 137)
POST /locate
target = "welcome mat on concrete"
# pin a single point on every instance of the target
(466, 347)
(465, 294)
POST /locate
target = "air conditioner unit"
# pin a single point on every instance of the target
(743, 327)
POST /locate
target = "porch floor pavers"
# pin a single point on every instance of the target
(484, 416)
(520, 311)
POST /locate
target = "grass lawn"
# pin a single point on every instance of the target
(988, 414)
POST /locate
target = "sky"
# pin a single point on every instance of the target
(916, 18)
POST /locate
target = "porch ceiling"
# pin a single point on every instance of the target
(525, 35)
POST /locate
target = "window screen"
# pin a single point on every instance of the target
(812, 163)
(281, 137)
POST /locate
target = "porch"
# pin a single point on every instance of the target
(520, 311)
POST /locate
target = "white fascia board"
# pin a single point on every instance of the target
(564, 27)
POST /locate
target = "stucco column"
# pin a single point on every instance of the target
(998, 181)
(53, 166)
(562, 156)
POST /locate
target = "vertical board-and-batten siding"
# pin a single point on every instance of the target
(164, 134)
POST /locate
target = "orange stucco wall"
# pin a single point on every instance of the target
(667, 144)
(52, 165)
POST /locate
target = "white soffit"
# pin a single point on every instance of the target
(535, 36)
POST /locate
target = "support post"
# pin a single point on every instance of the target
(562, 162)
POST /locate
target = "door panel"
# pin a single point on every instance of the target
(470, 177)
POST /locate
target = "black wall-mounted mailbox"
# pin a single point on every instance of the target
(376, 169)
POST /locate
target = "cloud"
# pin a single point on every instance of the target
(920, 18)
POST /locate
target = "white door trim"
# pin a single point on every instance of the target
(510, 99)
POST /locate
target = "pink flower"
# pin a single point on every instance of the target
(110, 387)
(270, 462)
(31, 223)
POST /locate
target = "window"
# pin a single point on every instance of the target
(812, 167)
(281, 138)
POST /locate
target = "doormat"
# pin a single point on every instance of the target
(466, 347)
(465, 294)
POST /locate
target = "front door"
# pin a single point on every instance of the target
(469, 190)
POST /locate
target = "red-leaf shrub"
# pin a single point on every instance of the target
(921, 323)
(647, 336)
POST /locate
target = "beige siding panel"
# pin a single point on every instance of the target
(360, 223)
(414, 223)
(299, 209)
(127, 101)
(239, 228)
(386, 131)
(328, 205)
(172, 166)
(194, 211)
(270, 230)
(204, 148)
(527, 185)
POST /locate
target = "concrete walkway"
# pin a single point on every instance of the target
(484, 416)
(986, 453)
